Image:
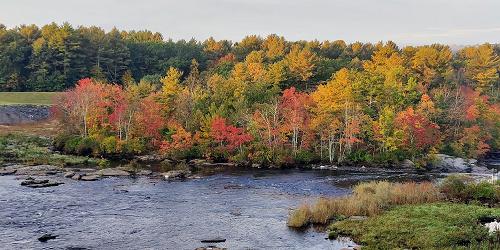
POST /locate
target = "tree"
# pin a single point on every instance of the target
(228, 137)
(301, 62)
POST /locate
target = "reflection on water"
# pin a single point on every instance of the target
(247, 207)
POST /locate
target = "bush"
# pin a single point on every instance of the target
(87, 146)
(483, 192)
(463, 188)
(300, 217)
(109, 145)
(454, 187)
(71, 144)
(305, 157)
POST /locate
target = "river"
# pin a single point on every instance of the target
(247, 207)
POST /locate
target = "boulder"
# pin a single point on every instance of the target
(177, 174)
(89, 178)
(113, 172)
(450, 164)
(325, 167)
(482, 170)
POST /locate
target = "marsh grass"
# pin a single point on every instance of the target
(368, 199)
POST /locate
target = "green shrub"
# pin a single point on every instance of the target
(71, 144)
(455, 187)
(104, 163)
(305, 157)
(87, 146)
(109, 145)
(482, 191)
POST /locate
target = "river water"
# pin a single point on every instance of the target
(248, 207)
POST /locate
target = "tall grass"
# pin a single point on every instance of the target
(371, 198)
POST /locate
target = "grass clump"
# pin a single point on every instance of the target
(300, 217)
(427, 226)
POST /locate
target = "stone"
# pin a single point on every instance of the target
(32, 183)
(256, 165)
(144, 172)
(210, 248)
(39, 170)
(177, 174)
(150, 158)
(76, 177)
(69, 174)
(450, 164)
(357, 218)
(7, 171)
(47, 237)
(482, 170)
(113, 172)
(214, 240)
(89, 178)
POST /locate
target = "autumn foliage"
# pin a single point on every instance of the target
(278, 103)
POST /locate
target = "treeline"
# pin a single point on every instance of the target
(54, 57)
(271, 101)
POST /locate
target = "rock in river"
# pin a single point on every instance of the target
(46, 237)
(214, 240)
(7, 171)
(177, 174)
(113, 172)
(38, 170)
(89, 178)
(32, 183)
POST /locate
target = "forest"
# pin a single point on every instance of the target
(261, 100)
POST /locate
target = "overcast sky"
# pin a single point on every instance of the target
(455, 22)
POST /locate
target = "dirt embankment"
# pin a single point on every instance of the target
(18, 114)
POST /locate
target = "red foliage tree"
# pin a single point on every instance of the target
(227, 136)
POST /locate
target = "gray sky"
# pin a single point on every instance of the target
(458, 22)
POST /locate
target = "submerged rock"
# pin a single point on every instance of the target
(47, 237)
(113, 172)
(210, 248)
(177, 174)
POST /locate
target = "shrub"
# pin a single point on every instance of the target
(454, 187)
(87, 146)
(482, 191)
(305, 157)
(109, 145)
(300, 217)
(71, 144)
